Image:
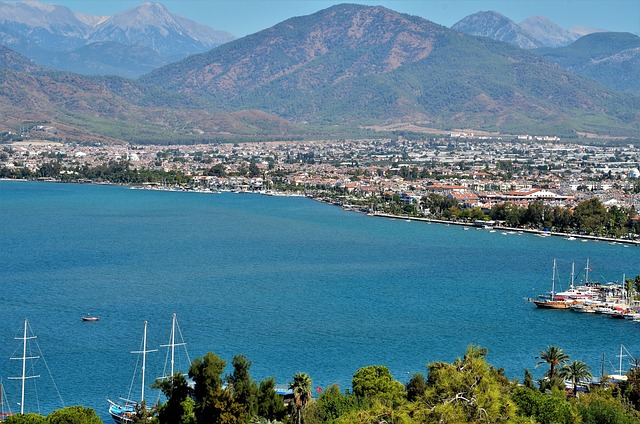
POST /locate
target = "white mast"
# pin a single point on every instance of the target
(621, 355)
(144, 352)
(172, 343)
(572, 273)
(586, 273)
(24, 358)
(553, 281)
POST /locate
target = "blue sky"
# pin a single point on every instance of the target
(242, 17)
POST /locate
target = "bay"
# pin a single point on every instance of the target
(294, 284)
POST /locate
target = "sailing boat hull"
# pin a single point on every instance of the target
(551, 304)
(121, 414)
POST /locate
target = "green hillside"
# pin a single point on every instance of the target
(353, 65)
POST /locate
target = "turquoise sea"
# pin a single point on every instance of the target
(294, 284)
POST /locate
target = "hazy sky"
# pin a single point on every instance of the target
(242, 17)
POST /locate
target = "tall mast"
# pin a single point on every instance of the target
(572, 273)
(172, 343)
(173, 340)
(586, 273)
(144, 352)
(620, 370)
(553, 281)
(24, 358)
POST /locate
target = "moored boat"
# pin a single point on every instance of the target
(124, 413)
(552, 302)
(127, 411)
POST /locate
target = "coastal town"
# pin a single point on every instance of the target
(477, 172)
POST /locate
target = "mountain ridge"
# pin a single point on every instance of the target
(51, 35)
(334, 72)
(382, 59)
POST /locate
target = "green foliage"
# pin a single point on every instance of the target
(590, 216)
(528, 380)
(178, 408)
(333, 404)
(468, 390)
(545, 408)
(74, 415)
(270, 404)
(30, 418)
(554, 357)
(576, 372)
(375, 383)
(245, 390)
(601, 408)
(213, 404)
(301, 387)
(416, 387)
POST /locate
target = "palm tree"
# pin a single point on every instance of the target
(554, 356)
(576, 371)
(301, 387)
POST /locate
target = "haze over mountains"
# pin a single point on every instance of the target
(129, 43)
(534, 32)
(331, 72)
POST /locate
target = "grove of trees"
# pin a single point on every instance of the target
(468, 390)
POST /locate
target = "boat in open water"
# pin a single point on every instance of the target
(88, 317)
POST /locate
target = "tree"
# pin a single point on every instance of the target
(270, 404)
(576, 372)
(375, 383)
(544, 407)
(528, 380)
(301, 387)
(213, 404)
(590, 216)
(244, 389)
(178, 409)
(535, 213)
(415, 387)
(601, 407)
(554, 356)
(30, 418)
(468, 390)
(332, 404)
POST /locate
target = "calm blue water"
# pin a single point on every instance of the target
(294, 284)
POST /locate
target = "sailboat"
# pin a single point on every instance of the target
(24, 377)
(172, 347)
(124, 413)
(551, 302)
(3, 400)
(27, 336)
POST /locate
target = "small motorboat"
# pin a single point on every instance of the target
(88, 317)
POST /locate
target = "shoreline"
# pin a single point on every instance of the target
(540, 233)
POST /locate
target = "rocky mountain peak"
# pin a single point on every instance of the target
(547, 32)
(497, 26)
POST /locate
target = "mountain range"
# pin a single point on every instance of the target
(610, 58)
(534, 32)
(128, 44)
(330, 73)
